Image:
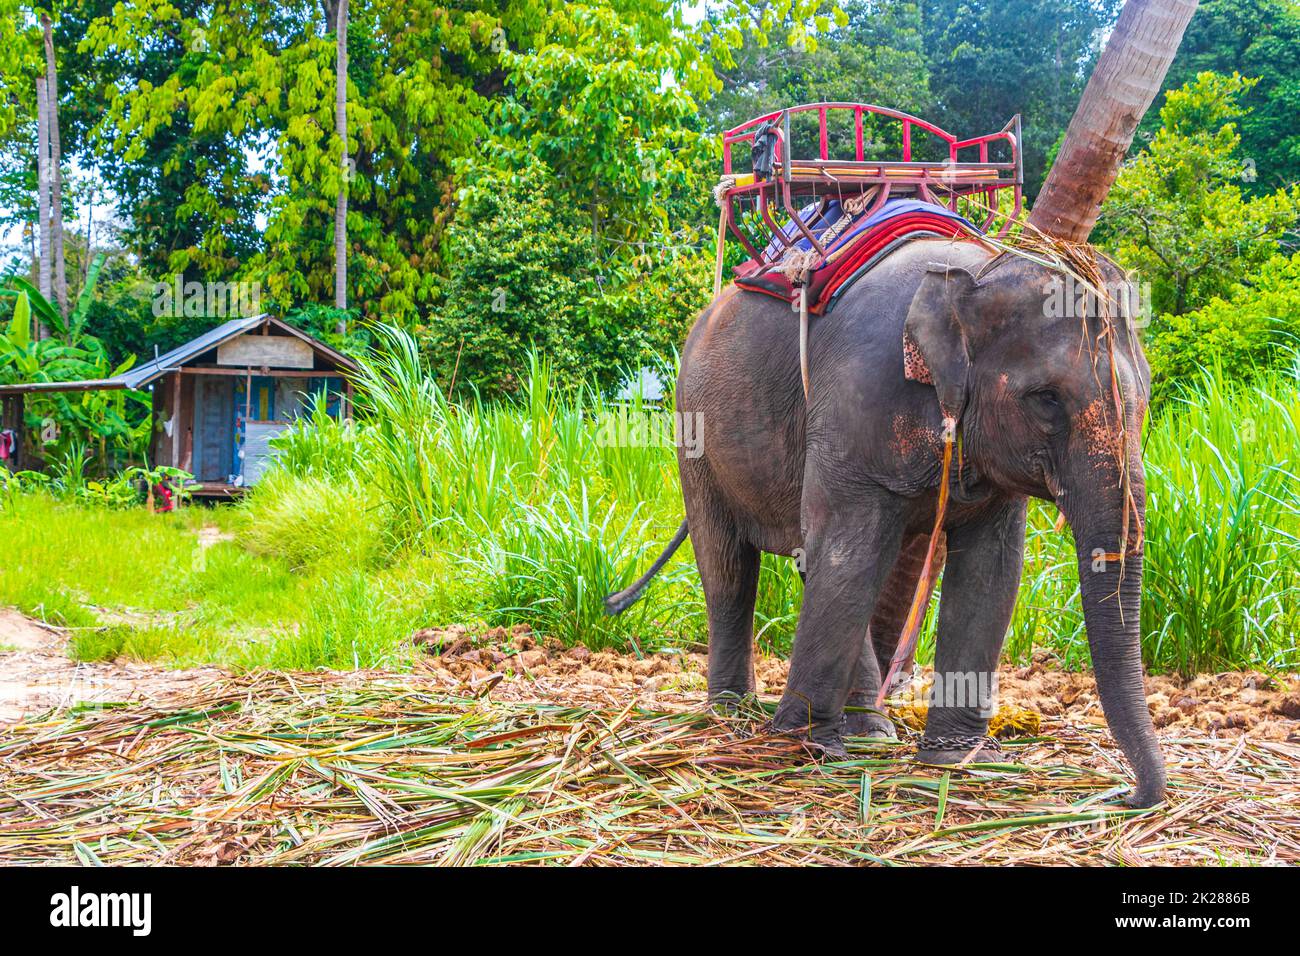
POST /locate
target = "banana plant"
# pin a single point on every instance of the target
(102, 420)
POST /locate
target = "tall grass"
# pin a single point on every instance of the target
(545, 515)
(531, 509)
(542, 512)
(1223, 566)
(551, 564)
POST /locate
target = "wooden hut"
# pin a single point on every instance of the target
(220, 398)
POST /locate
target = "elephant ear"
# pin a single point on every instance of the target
(935, 349)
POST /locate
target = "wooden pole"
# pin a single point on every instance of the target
(719, 251)
(56, 172)
(44, 280)
(176, 419)
(345, 169)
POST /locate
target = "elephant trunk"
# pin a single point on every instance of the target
(1111, 589)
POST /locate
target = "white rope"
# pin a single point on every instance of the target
(803, 343)
(724, 186)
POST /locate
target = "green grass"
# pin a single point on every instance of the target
(524, 511)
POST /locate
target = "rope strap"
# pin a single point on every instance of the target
(924, 583)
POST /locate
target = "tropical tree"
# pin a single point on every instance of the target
(1261, 40)
(44, 179)
(1122, 87)
(55, 167)
(1178, 215)
(991, 59)
(874, 53)
(110, 425)
(341, 130)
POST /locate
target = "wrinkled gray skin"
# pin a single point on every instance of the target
(852, 476)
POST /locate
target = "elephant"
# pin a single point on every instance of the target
(942, 339)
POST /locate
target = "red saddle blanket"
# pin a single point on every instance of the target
(857, 243)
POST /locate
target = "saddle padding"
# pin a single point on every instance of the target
(853, 253)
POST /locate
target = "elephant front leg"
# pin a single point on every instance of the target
(980, 584)
(850, 550)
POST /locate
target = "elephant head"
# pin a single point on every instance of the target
(1048, 384)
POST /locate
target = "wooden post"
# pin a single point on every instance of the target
(176, 419)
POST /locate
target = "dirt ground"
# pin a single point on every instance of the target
(1227, 704)
(499, 749)
(36, 674)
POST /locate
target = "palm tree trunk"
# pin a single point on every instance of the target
(341, 125)
(44, 282)
(56, 172)
(1127, 78)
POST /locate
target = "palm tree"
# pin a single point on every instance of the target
(1127, 78)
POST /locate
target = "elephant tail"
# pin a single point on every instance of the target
(620, 601)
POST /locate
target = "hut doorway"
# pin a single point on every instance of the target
(214, 428)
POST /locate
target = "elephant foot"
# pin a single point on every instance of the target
(868, 723)
(948, 751)
(823, 743)
(1142, 801)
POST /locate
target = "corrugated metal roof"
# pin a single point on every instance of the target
(142, 375)
(149, 371)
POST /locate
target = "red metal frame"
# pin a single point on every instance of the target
(797, 180)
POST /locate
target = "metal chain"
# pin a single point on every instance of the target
(966, 742)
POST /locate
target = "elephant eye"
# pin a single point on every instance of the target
(1046, 399)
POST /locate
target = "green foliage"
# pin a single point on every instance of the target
(113, 425)
(308, 520)
(876, 55)
(622, 141)
(1255, 327)
(206, 118)
(337, 328)
(551, 564)
(319, 445)
(521, 275)
(990, 59)
(1177, 216)
(524, 274)
(1261, 40)
(1223, 552)
(347, 623)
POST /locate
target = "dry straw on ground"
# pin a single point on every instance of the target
(332, 769)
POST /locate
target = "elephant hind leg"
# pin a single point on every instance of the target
(895, 601)
(729, 568)
(881, 639)
(861, 718)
